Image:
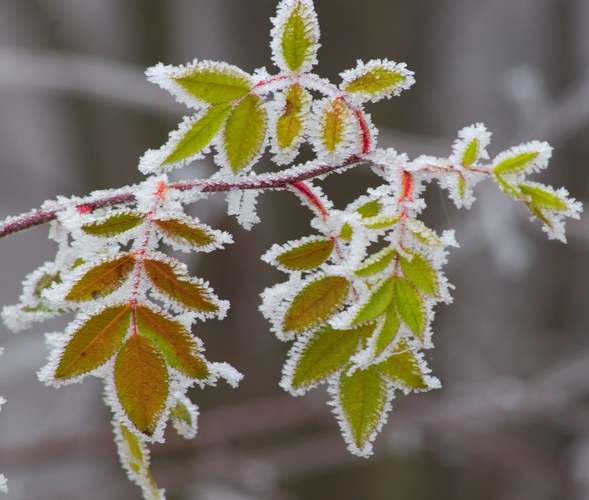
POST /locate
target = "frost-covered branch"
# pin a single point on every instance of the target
(360, 295)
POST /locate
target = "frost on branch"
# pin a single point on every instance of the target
(361, 290)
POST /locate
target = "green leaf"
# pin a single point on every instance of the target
(315, 303)
(377, 302)
(245, 131)
(377, 262)
(370, 209)
(135, 454)
(47, 280)
(346, 232)
(389, 330)
(180, 288)
(289, 126)
(215, 85)
(200, 134)
(410, 306)
(102, 279)
(187, 233)
(334, 123)
(381, 222)
(403, 368)
(327, 351)
(306, 256)
(141, 382)
(516, 163)
(363, 399)
(297, 41)
(423, 234)
(175, 343)
(95, 342)
(374, 81)
(542, 198)
(421, 273)
(471, 153)
(181, 413)
(113, 225)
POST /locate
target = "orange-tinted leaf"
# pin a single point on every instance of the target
(179, 288)
(315, 303)
(173, 341)
(185, 233)
(102, 279)
(95, 342)
(141, 381)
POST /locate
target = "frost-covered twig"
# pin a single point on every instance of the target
(361, 292)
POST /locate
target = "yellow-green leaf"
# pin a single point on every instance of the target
(181, 413)
(200, 134)
(410, 306)
(141, 382)
(298, 39)
(173, 340)
(515, 163)
(183, 232)
(389, 330)
(370, 209)
(245, 131)
(102, 279)
(215, 85)
(113, 225)
(315, 303)
(383, 222)
(180, 288)
(403, 368)
(423, 234)
(289, 125)
(375, 80)
(306, 256)
(377, 262)
(542, 198)
(46, 281)
(346, 232)
(363, 399)
(134, 448)
(377, 303)
(421, 273)
(471, 153)
(326, 353)
(334, 123)
(95, 342)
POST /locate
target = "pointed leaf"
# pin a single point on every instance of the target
(403, 367)
(189, 293)
(370, 209)
(141, 381)
(516, 163)
(295, 36)
(540, 197)
(377, 79)
(363, 397)
(95, 342)
(410, 306)
(136, 459)
(245, 132)
(200, 134)
(173, 341)
(325, 353)
(186, 233)
(383, 222)
(471, 153)
(346, 232)
(215, 84)
(421, 273)
(181, 413)
(377, 262)
(113, 225)
(315, 303)
(289, 126)
(334, 124)
(307, 256)
(379, 299)
(423, 234)
(388, 332)
(102, 279)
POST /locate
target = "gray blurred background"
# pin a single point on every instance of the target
(512, 421)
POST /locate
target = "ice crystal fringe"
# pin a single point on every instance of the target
(362, 288)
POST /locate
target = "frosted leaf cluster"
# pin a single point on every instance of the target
(361, 290)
